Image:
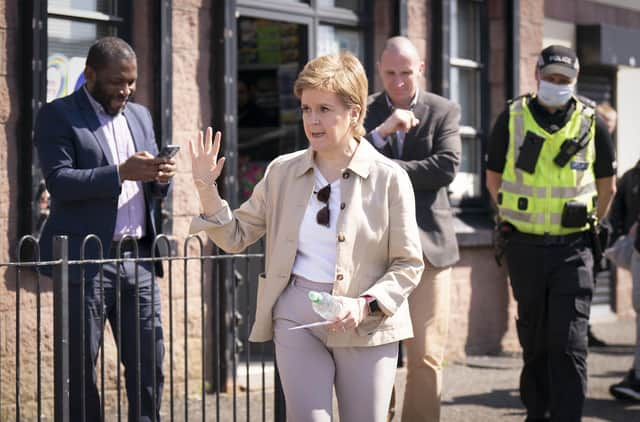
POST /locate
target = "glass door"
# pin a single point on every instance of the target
(271, 53)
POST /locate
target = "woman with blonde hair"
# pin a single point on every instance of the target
(338, 217)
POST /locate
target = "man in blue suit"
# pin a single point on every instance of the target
(97, 152)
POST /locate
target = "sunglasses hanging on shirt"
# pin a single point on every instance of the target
(323, 216)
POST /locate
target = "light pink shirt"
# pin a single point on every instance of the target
(130, 219)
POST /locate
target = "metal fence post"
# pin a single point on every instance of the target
(280, 410)
(61, 328)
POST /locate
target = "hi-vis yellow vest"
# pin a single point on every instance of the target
(533, 203)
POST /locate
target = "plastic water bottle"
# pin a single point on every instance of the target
(325, 305)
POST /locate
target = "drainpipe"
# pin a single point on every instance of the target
(512, 62)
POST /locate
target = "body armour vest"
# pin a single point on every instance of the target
(533, 201)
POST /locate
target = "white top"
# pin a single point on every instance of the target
(316, 256)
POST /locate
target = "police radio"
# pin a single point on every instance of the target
(568, 149)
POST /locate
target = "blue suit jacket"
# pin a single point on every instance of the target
(82, 178)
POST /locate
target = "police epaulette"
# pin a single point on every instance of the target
(586, 101)
(511, 101)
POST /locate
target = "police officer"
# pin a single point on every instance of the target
(550, 168)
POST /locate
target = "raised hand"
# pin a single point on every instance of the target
(398, 120)
(205, 165)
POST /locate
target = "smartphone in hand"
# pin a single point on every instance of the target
(168, 151)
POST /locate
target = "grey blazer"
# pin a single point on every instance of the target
(431, 157)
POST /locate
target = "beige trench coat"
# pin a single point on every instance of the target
(379, 252)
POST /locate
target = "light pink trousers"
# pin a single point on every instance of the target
(363, 376)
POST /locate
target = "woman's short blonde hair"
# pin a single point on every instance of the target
(341, 74)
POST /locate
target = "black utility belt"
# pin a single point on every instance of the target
(548, 239)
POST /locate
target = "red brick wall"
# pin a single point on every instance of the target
(192, 62)
(383, 13)
(10, 104)
(483, 312)
(419, 32)
(144, 45)
(531, 33)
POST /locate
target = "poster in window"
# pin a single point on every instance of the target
(64, 75)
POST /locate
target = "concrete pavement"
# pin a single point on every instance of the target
(476, 389)
(485, 388)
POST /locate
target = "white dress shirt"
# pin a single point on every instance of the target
(130, 219)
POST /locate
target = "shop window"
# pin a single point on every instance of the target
(101, 6)
(72, 26)
(272, 49)
(333, 39)
(466, 88)
(270, 55)
(68, 43)
(343, 4)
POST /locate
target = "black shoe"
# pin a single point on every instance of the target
(593, 340)
(627, 389)
(544, 418)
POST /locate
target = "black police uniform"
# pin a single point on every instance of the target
(552, 281)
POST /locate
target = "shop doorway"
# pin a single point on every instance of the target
(271, 53)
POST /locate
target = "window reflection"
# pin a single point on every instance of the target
(465, 90)
(270, 55)
(68, 43)
(465, 81)
(104, 6)
(465, 38)
(345, 4)
(332, 39)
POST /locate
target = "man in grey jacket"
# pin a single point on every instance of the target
(420, 131)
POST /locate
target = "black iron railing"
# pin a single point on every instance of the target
(226, 301)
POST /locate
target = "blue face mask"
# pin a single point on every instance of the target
(554, 95)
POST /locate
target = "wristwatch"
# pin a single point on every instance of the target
(372, 305)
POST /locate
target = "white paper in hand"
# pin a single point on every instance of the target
(313, 324)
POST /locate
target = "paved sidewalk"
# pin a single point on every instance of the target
(479, 388)
(486, 388)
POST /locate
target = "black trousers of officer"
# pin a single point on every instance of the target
(149, 321)
(553, 285)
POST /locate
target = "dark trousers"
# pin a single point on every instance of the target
(94, 308)
(553, 285)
